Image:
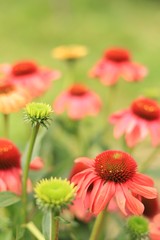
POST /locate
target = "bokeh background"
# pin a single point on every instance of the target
(31, 29)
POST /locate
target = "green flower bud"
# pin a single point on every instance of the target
(38, 113)
(137, 228)
(54, 193)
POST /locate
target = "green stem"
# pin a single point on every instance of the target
(98, 225)
(55, 228)
(6, 125)
(26, 170)
(149, 160)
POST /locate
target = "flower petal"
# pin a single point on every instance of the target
(145, 191)
(105, 194)
(132, 203)
(120, 199)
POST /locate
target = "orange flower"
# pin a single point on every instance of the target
(12, 98)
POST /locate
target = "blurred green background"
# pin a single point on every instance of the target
(31, 29)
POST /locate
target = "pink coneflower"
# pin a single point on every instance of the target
(10, 167)
(30, 76)
(13, 98)
(117, 63)
(141, 119)
(111, 174)
(154, 228)
(78, 101)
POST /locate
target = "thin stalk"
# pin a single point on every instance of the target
(98, 225)
(149, 160)
(26, 170)
(6, 125)
(55, 228)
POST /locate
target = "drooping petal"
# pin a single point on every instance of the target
(121, 125)
(132, 203)
(110, 74)
(143, 179)
(95, 191)
(120, 199)
(145, 191)
(81, 164)
(3, 186)
(132, 138)
(105, 194)
(133, 71)
(154, 129)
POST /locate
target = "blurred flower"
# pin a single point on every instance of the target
(30, 76)
(111, 174)
(151, 207)
(12, 98)
(70, 53)
(79, 102)
(10, 167)
(142, 118)
(137, 227)
(154, 228)
(117, 63)
(36, 164)
(54, 193)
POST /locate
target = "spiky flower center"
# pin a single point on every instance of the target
(6, 89)
(9, 155)
(116, 166)
(117, 55)
(54, 193)
(24, 68)
(38, 113)
(78, 90)
(146, 108)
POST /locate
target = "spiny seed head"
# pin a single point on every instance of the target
(116, 166)
(54, 193)
(137, 228)
(38, 113)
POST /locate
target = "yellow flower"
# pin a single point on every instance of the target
(70, 52)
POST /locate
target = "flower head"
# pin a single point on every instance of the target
(38, 113)
(30, 76)
(117, 63)
(137, 227)
(111, 174)
(71, 52)
(54, 194)
(142, 118)
(154, 227)
(12, 98)
(79, 102)
(10, 167)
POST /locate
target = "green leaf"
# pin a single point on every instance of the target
(47, 225)
(8, 198)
